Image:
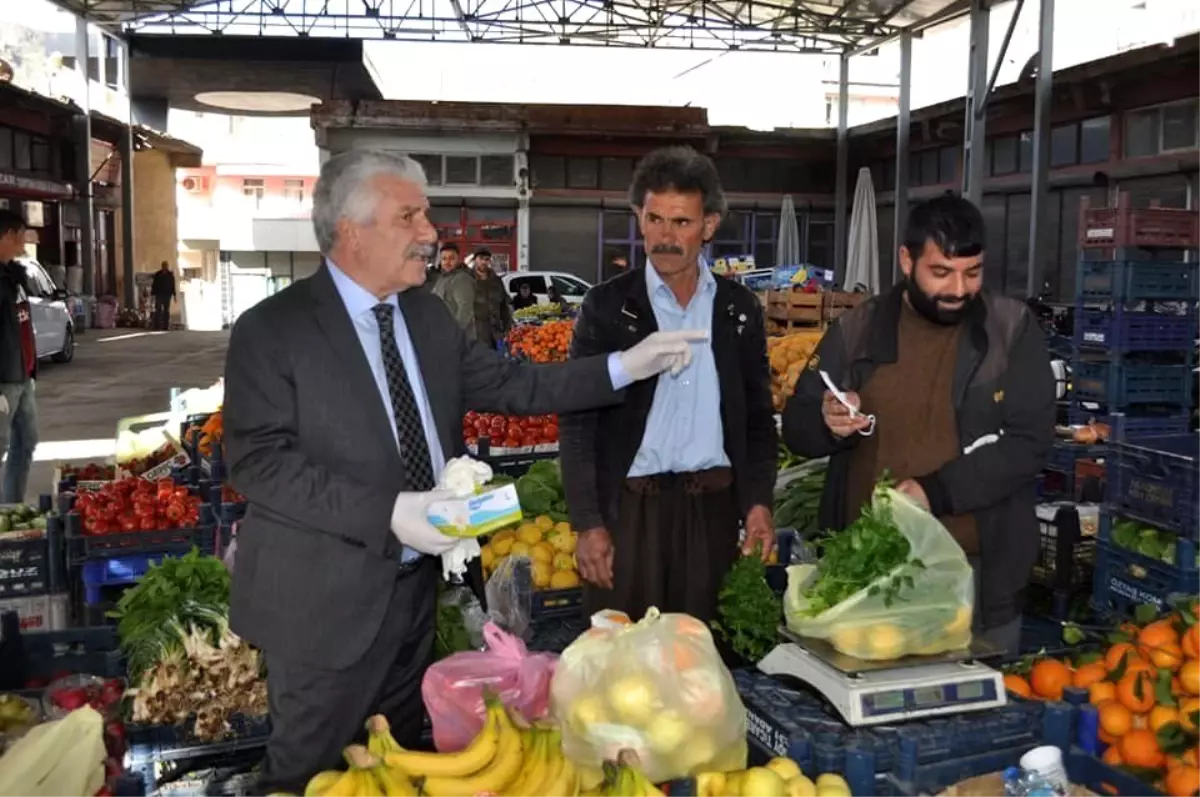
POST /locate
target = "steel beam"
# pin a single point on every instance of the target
(975, 122)
(1039, 192)
(841, 175)
(903, 123)
(128, 288)
(83, 166)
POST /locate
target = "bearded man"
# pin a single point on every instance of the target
(959, 382)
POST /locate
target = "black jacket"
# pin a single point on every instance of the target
(1003, 386)
(163, 284)
(599, 446)
(13, 287)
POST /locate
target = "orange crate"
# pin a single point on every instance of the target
(1126, 226)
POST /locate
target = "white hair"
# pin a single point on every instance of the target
(344, 189)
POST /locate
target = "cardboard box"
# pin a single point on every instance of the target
(479, 514)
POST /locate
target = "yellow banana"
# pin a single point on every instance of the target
(533, 766)
(321, 782)
(347, 785)
(554, 762)
(394, 782)
(471, 759)
(497, 776)
(564, 782)
(380, 740)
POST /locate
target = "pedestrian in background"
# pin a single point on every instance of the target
(493, 313)
(455, 286)
(162, 290)
(18, 361)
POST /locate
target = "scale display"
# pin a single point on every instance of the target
(924, 698)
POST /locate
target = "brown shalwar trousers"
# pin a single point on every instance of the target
(676, 538)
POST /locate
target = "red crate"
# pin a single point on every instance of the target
(1126, 226)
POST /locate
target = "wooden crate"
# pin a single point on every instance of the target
(790, 307)
(837, 303)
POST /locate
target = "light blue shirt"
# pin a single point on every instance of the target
(683, 432)
(360, 305)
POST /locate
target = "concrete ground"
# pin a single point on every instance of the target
(115, 373)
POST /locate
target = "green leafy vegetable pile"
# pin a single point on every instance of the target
(749, 610)
(861, 554)
(797, 503)
(178, 592)
(540, 490)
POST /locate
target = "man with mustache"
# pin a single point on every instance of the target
(959, 382)
(344, 397)
(660, 485)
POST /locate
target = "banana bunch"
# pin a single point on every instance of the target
(780, 777)
(368, 776)
(624, 778)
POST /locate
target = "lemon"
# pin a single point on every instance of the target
(585, 712)
(849, 640)
(544, 522)
(667, 732)
(529, 533)
(785, 768)
(501, 546)
(564, 579)
(634, 699)
(562, 527)
(505, 534)
(487, 557)
(761, 782)
(564, 561)
(564, 541)
(542, 552)
(801, 786)
(543, 574)
(885, 642)
(961, 622)
(519, 548)
(831, 785)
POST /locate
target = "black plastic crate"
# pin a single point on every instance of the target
(1121, 383)
(554, 634)
(1117, 281)
(176, 742)
(78, 651)
(1115, 329)
(1064, 453)
(33, 566)
(1155, 480)
(82, 547)
(556, 602)
(1065, 554)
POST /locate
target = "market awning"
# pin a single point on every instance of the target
(816, 26)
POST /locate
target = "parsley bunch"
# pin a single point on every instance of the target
(749, 610)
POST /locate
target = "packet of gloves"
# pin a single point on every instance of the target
(473, 511)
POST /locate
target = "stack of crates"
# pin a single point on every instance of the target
(1137, 288)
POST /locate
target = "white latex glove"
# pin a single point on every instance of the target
(3, 405)
(411, 525)
(661, 351)
(454, 561)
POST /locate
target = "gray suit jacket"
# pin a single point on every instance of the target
(308, 443)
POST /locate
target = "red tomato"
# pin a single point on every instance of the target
(472, 441)
(529, 439)
(498, 424)
(550, 433)
(471, 416)
(512, 442)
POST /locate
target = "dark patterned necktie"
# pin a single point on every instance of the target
(414, 448)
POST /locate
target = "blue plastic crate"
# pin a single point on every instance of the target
(114, 571)
(1138, 425)
(1119, 384)
(1064, 453)
(1155, 479)
(1125, 579)
(1118, 330)
(1115, 281)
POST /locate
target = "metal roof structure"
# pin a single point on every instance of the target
(791, 26)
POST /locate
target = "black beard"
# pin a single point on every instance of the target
(928, 306)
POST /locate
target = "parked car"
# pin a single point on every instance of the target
(53, 327)
(569, 286)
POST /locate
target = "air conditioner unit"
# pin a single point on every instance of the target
(194, 184)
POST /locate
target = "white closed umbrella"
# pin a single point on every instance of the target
(787, 247)
(862, 254)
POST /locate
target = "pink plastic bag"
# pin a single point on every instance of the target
(453, 688)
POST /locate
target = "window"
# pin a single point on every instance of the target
(39, 155)
(1004, 155)
(6, 148)
(537, 284)
(1025, 152)
(254, 189)
(820, 243)
(112, 63)
(549, 171)
(1064, 146)
(432, 164)
(1179, 126)
(1141, 133)
(619, 225)
(568, 287)
(293, 191)
(947, 165)
(496, 171)
(462, 170)
(583, 173)
(1094, 142)
(39, 284)
(616, 173)
(22, 152)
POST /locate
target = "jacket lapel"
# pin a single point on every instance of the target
(338, 329)
(636, 319)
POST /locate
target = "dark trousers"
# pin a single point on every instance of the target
(162, 312)
(676, 538)
(316, 713)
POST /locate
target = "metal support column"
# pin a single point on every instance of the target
(128, 288)
(903, 122)
(1039, 192)
(83, 166)
(975, 123)
(842, 167)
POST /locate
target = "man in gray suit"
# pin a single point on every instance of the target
(344, 396)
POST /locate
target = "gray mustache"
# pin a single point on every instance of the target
(424, 251)
(667, 249)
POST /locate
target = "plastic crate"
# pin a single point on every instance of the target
(83, 547)
(556, 602)
(1065, 553)
(33, 566)
(1126, 579)
(553, 635)
(175, 742)
(78, 651)
(1127, 226)
(114, 571)
(1152, 422)
(917, 756)
(1118, 281)
(1119, 384)
(1117, 330)
(1155, 480)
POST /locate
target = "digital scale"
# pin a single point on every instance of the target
(876, 692)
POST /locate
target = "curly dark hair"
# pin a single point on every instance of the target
(682, 169)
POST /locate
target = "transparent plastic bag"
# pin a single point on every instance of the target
(657, 687)
(453, 687)
(509, 592)
(932, 616)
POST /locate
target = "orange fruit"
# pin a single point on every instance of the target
(1089, 674)
(1112, 756)
(1122, 651)
(1190, 641)
(1049, 677)
(1107, 737)
(1115, 719)
(1139, 748)
(1187, 714)
(1191, 757)
(1189, 676)
(1102, 691)
(1183, 781)
(1167, 656)
(1136, 692)
(1155, 635)
(1017, 685)
(1162, 715)
(1174, 761)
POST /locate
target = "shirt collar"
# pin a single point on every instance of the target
(357, 299)
(655, 285)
